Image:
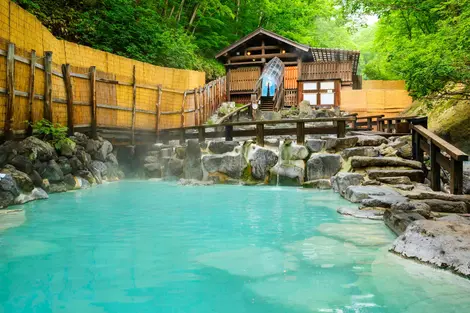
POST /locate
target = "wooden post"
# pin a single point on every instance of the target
(134, 105)
(260, 135)
(341, 129)
(227, 82)
(228, 133)
(10, 91)
(159, 102)
(182, 109)
(418, 154)
(48, 86)
(32, 76)
(435, 168)
(378, 124)
(354, 123)
(300, 133)
(69, 93)
(369, 123)
(202, 134)
(182, 136)
(94, 133)
(389, 126)
(456, 177)
(196, 108)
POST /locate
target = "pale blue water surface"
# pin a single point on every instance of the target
(158, 247)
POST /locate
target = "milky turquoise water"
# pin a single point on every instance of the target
(158, 247)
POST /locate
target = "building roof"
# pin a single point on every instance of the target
(318, 54)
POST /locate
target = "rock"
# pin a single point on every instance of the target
(35, 194)
(359, 151)
(99, 170)
(271, 115)
(315, 145)
(341, 181)
(359, 193)
(22, 180)
(175, 167)
(387, 151)
(261, 161)
(403, 187)
(64, 165)
(92, 146)
(371, 183)
(6, 199)
(52, 172)
(440, 243)
(80, 139)
(71, 182)
(111, 158)
(361, 162)
(414, 175)
(386, 201)
(22, 163)
(466, 177)
(305, 109)
(58, 187)
(221, 147)
(34, 148)
(413, 206)
(339, 144)
(404, 180)
(373, 214)
(360, 234)
(193, 182)
(4, 151)
(231, 164)
(86, 175)
(437, 205)
(292, 152)
(8, 190)
(372, 140)
(323, 166)
(83, 157)
(398, 220)
(36, 179)
(455, 219)
(318, 184)
(180, 152)
(405, 151)
(68, 148)
(288, 174)
(152, 159)
(192, 167)
(76, 165)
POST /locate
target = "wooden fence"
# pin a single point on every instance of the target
(327, 70)
(85, 98)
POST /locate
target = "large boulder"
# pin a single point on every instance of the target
(398, 220)
(414, 175)
(76, 164)
(318, 184)
(362, 162)
(35, 148)
(359, 151)
(64, 164)
(68, 148)
(441, 243)
(288, 174)
(315, 145)
(339, 144)
(8, 190)
(466, 177)
(437, 205)
(101, 153)
(57, 187)
(22, 163)
(83, 157)
(231, 164)
(323, 166)
(341, 181)
(359, 193)
(261, 161)
(305, 109)
(22, 180)
(98, 169)
(373, 140)
(290, 151)
(221, 147)
(52, 172)
(174, 167)
(35, 194)
(192, 167)
(80, 139)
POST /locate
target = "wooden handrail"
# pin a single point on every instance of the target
(448, 148)
(237, 111)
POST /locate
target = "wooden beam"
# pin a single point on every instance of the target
(196, 106)
(159, 102)
(69, 92)
(94, 133)
(134, 105)
(182, 109)
(263, 56)
(8, 132)
(300, 133)
(32, 76)
(48, 85)
(263, 47)
(435, 168)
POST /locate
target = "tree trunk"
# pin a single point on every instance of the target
(180, 11)
(238, 11)
(193, 16)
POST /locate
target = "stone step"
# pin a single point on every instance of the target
(398, 221)
(437, 205)
(364, 162)
(395, 180)
(414, 175)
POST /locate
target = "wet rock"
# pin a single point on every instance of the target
(76, 165)
(35, 194)
(322, 184)
(57, 187)
(440, 243)
(288, 174)
(194, 182)
(99, 170)
(359, 193)
(341, 181)
(359, 151)
(175, 167)
(34, 148)
(231, 164)
(372, 214)
(192, 167)
(404, 180)
(385, 201)
(373, 140)
(315, 145)
(261, 161)
(8, 190)
(22, 163)
(414, 175)
(339, 144)
(361, 162)
(221, 147)
(360, 234)
(398, 220)
(86, 175)
(323, 166)
(71, 182)
(22, 180)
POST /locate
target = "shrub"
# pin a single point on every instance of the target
(55, 134)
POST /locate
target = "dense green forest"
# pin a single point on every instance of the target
(425, 42)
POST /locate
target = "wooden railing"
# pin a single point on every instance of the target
(327, 70)
(234, 114)
(400, 124)
(260, 130)
(442, 155)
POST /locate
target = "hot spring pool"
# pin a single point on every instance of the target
(158, 247)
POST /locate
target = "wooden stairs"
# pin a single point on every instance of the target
(267, 104)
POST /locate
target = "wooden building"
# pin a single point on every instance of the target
(314, 74)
